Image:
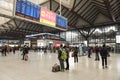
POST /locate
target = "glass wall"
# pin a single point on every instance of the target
(105, 34)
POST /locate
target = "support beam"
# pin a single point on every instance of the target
(6, 16)
(78, 15)
(17, 25)
(107, 4)
(73, 5)
(5, 28)
(64, 12)
(86, 36)
(102, 11)
(90, 11)
(73, 20)
(10, 25)
(57, 8)
(83, 5)
(44, 2)
(51, 5)
(78, 4)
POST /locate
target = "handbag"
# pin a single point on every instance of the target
(72, 54)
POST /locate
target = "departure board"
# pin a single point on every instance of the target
(31, 11)
(61, 22)
(27, 10)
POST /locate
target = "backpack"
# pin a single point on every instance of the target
(56, 68)
(64, 55)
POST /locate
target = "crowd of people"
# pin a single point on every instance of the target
(7, 49)
(64, 54)
(99, 51)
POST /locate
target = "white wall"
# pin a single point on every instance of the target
(6, 7)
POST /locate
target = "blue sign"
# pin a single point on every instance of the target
(23, 7)
(61, 22)
(18, 6)
(28, 8)
(36, 11)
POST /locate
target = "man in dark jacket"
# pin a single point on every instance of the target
(25, 51)
(75, 55)
(4, 50)
(67, 60)
(97, 53)
(59, 58)
(104, 53)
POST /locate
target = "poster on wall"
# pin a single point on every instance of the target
(47, 17)
(27, 43)
(117, 38)
(27, 9)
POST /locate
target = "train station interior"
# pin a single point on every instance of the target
(32, 32)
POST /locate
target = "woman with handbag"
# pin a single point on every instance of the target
(75, 53)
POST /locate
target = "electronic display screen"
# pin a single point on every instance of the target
(27, 9)
(61, 22)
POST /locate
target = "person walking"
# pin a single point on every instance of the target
(75, 54)
(89, 52)
(14, 49)
(4, 50)
(97, 53)
(25, 53)
(104, 53)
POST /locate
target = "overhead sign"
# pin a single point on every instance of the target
(47, 17)
(31, 11)
(61, 22)
(27, 10)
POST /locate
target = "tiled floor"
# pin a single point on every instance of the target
(38, 67)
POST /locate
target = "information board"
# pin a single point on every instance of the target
(47, 17)
(27, 10)
(61, 22)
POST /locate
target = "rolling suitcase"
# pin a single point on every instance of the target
(26, 57)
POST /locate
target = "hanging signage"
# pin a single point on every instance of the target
(27, 10)
(61, 22)
(31, 11)
(47, 17)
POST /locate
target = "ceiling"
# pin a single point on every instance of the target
(89, 13)
(80, 14)
(19, 28)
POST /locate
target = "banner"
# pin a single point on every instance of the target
(47, 17)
